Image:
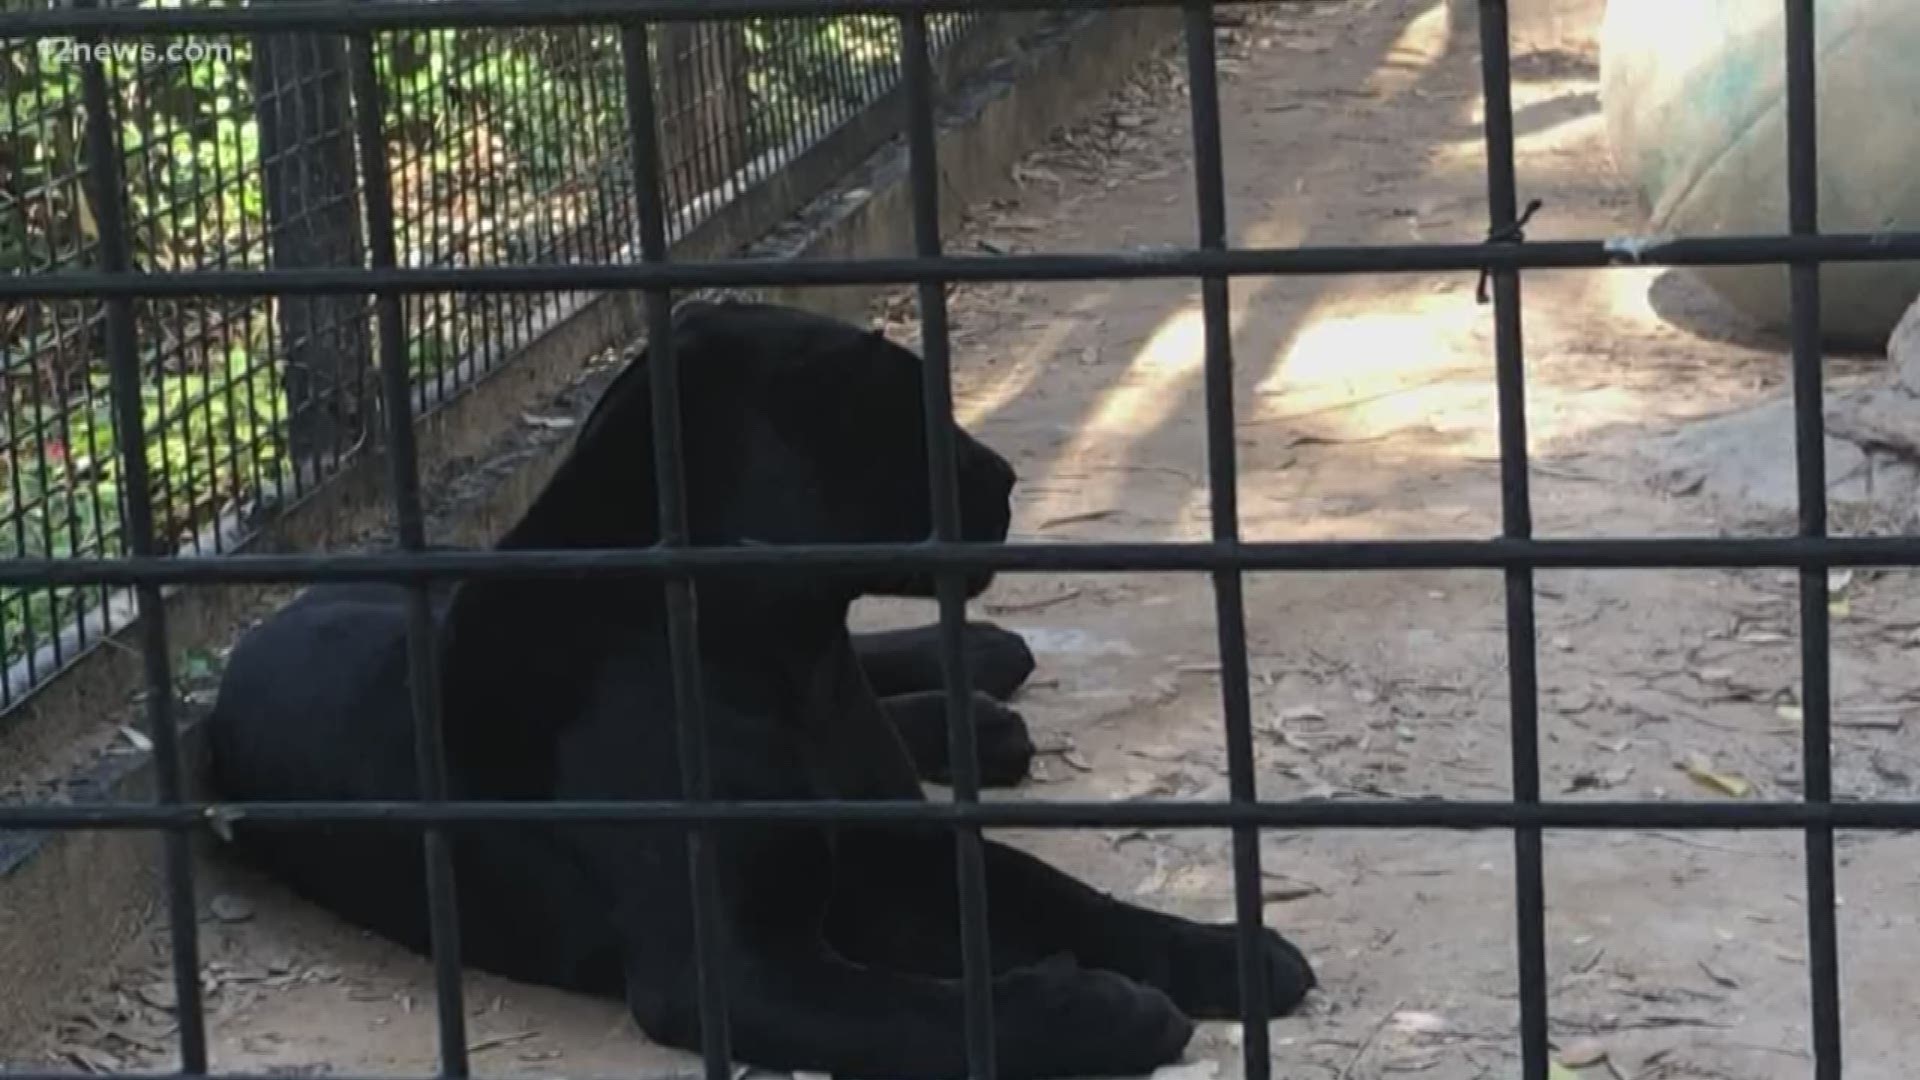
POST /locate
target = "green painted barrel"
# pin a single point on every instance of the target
(1694, 94)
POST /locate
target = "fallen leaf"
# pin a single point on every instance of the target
(1287, 893)
(231, 909)
(1583, 1054)
(1077, 519)
(1028, 174)
(157, 994)
(1014, 607)
(90, 1058)
(494, 1042)
(1557, 1071)
(1416, 1022)
(1727, 981)
(1725, 783)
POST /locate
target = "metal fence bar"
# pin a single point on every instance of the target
(1679, 553)
(109, 198)
(1810, 463)
(1425, 814)
(683, 644)
(1516, 521)
(937, 382)
(1629, 251)
(1223, 489)
(403, 476)
(340, 16)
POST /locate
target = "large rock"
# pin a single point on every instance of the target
(1694, 93)
(1743, 461)
(1903, 349)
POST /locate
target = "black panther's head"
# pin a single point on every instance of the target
(797, 429)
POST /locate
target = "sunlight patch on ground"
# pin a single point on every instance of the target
(1048, 344)
(1421, 45)
(1365, 366)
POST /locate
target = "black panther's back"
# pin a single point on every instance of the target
(305, 713)
(314, 706)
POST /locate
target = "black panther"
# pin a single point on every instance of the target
(840, 944)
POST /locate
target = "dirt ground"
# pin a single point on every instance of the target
(1366, 410)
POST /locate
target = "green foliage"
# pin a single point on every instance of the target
(211, 433)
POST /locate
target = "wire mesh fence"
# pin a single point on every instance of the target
(509, 146)
(1515, 552)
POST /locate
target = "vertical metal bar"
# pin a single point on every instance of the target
(109, 195)
(935, 346)
(1223, 483)
(1523, 679)
(18, 440)
(231, 314)
(1803, 212)
(43, 432)
(171, 487)
(682, 611)
(423, 669)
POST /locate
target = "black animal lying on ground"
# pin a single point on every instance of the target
(840, 944)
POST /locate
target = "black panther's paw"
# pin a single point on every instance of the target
(999, 660)
(1205, 973)
(1062, 1020)
(1000, 734)
(1006, 748)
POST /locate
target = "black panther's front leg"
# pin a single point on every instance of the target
(908, 661)
(895, 906)
(795, 1002)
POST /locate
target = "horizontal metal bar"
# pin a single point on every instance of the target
(1113, 265)
(340, 16)
(1319, 814)
(1679, 553)
(24, 1074)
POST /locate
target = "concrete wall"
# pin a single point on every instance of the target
(70, 901)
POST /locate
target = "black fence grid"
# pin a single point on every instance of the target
(395, 283)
